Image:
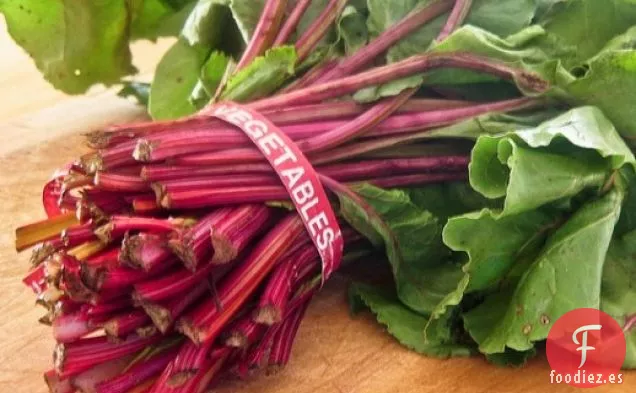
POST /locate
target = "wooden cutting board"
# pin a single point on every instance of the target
(334, 353)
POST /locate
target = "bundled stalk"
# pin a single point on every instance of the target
(165, 236)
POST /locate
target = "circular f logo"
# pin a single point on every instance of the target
(586, 348)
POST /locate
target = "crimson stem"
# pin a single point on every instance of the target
(265, 33)
(455, 19)
(206, 322)
(412, 65)
(74, 358)
(291, 22)
(413, 21)
(317, 30)
(194, 246)
(138, 373)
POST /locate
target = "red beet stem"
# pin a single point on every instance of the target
(291, 22)
(411, 180)
(213, 182)
(87, 380)
(455, 19)
(284, 339)
(312, 36)
(118, 225)
(234, 233)
(158, 173)
(126, 324)
(119, 183)
(412, 65)
(404, 127)
(206, 322)
(273, 301)
(57, 384)
(244, 332)
(164, 315)
(109, 308)
(386, 168)
(145, 251)
(137, 374)
(171, 285)
(354, 128)
(413, 21)
(121, 278)
(77, 235)
(69, 328)
(265, 32)
(73, 358)
(194, 246)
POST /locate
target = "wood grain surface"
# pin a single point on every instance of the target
(334, 353)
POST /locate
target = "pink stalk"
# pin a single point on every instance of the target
(291, 22)
(182, 367)
(256, 355)
(74, 236)
(109, 308)
(276, 295)
(137, 374)
(265, 33)
(158, 173)
(145, 205)
(404, 125)
(57, 384)
(244, 332)
(73, 280)
(69, 328)
(223, 196)
(309, 113)
(410, 180)
(145, 251)
(412, 65)
(400, 124)
(74, 358)
(284, 339)
(171, 285)
(120, 183)
(164, 315)
(206, 372)
(121, 278)
(205, 323)
(213, 182)
(387, 39)
(399, 166)
(310, 38)
(157, 148)
(354, 128)
(456, 18)
(126, 324)
(233, 234)
(194, 246)
(203, 198)
(117, 227)
(87, 381)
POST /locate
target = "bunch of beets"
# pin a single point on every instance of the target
(164, 263)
